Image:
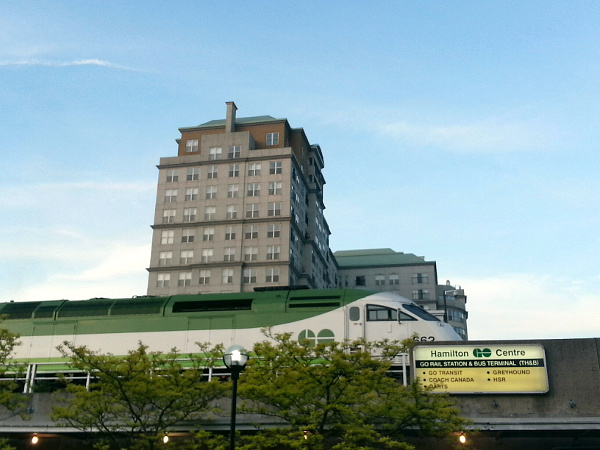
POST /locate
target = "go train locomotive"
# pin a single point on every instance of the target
(179, 321)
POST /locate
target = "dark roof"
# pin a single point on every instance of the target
(376, 258)
(238, 121)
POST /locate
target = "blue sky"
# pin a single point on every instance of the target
(465, 132)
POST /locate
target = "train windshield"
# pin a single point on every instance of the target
(420, 312)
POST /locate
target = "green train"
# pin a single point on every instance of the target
(162, 323)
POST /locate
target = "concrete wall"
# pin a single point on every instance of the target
(567, 416)
(572, 401)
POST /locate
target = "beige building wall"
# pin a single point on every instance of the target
(240, 207)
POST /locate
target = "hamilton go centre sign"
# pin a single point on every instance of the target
(482, 369)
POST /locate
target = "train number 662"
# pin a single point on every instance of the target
(424, 338)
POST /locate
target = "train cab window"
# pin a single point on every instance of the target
(403, 317)
(381, 313)
(420, 312)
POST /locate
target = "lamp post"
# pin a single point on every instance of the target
(235, 358)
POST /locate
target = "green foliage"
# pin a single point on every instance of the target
(138, 396)
(4, 444)
(267, 439)
(341, 393)
(281, 439)
(9, 399)
(325, 396)
(204, 440)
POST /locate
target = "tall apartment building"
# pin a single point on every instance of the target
(239, 207)
(407, 275)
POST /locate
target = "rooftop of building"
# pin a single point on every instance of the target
(376, 258)
(238, 121)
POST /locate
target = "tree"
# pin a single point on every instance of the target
(342, 395)
(13, 402)
(136, 397)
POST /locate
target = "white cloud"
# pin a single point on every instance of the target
(46, 193)
(51, 63)
(492, 135)
(121, 261)
(120, 273)
(485, 132)
(524, 306)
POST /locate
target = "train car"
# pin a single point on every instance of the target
(180, 321)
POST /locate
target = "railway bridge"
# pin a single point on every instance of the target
(559, 410)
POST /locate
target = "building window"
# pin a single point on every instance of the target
(274, 209)
(252, 232)
(379, 280)
(164, 258)
(275, 167)
(254, 169)
(360, 280)
(163, 280)
(272, 138)
(252, 210)
(249, 276)
(185, 279)
(229, 254)
(274, 231)
(394, 280)
(234, 151)
(191, 194)
(170, 195)
(192, 174)
(168, 216)
(420, 278)
(234, 170)
(214, 153)
(187, 235)
(189, 214)
(227, 276)
(253, 190)
(250, 253)
(172, 175)
(210, 212)
(208, 234)
(212, 172)
(166, 237)
(456, 316)
(420, 294)
(211, 192)
(272, 275)
(191, 145)
(207, 255)
(231, 212)
(273, 252)
(204, 277)
(229, 233)
(275, 187)
(232, 190)
(186, 257)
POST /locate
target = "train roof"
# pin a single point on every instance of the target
(48, 309)
(148, 313)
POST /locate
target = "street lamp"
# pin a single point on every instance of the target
(235, 358)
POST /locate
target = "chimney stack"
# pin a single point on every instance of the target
(230, 119)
